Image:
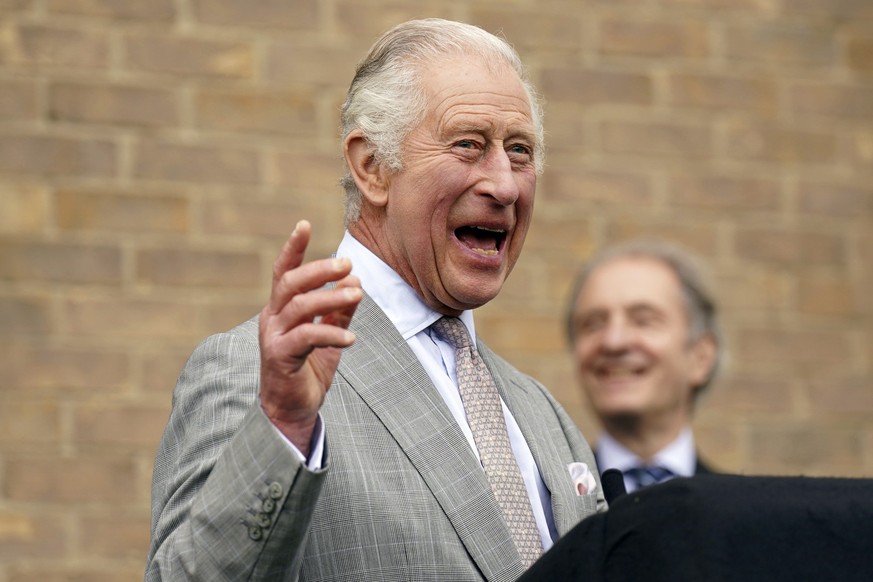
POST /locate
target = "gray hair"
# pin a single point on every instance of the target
(386, 98)
(697, 296)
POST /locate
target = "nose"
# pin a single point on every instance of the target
(498, 179)
(616, 336)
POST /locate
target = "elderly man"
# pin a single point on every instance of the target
(645, 338)
(357, 430)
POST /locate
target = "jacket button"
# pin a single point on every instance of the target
(268, 505)
(263, 520)
(276, 490)
(255, 532)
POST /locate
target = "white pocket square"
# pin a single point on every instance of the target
(583, 481)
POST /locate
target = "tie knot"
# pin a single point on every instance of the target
(453, 331)
(645, 476)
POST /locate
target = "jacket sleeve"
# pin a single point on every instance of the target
(230, 499)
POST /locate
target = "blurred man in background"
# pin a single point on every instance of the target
(644, 334)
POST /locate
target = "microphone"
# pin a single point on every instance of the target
(613, 484)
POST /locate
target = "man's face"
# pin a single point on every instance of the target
(631, 343)
(457, 214)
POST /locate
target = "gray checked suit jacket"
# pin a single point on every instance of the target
(402, 496)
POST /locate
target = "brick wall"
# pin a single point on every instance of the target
(154, 155)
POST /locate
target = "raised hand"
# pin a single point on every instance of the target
(302, 331)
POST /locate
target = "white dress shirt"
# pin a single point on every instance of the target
(680, 456)
(412, 318)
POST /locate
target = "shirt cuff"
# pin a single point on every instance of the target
(316, 446)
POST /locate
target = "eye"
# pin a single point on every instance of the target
(645, 317)
(589, 324)
(520, 153)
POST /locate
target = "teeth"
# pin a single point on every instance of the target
(618, 373)
(488, 252)
(498, 230)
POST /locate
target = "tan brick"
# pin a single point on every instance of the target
(568, 132)
(657, 139)
(550, 235)
(189, 163)
(697, 237)
(580, 185)
(27, 535)
(28, 422)
(152, 11)
(838, 200)
(262, 219)
(107, 572)
(789, 247)
(15, 527)
(93, 211)
(765, 6)
(122, 425)
(720, 92)
(536, 27)
(723, 192)
(623, 36)
(804, 450)
(719, 445)
(65, 480)
(751, 395)
(831, 100)
(359, 21)
(764, 142)
(299, 15)
(114, 104)
(842, 395)
(18, 100)
(190, 56)
(834, 8)
(198, 268)
(23, 208)
(801, 348)
(329, 65)
(859, 54)
(221, 317)
(531, 333)
(60, 263)
(46, 368)
(15, 5)
(827, 295)
(25, 315)
(781, 43)
(592, 87)
(859, 149)
(286, 113)
(306, 173)
(760, 289)
(125, 318)
(57, 156)
(160, 371)
(115, 536)
(56, 47)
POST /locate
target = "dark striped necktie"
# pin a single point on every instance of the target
(648, 475)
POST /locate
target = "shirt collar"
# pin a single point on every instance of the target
(680, 456)
(406, 310)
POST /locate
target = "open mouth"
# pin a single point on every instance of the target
(618, 373)
(480, 239)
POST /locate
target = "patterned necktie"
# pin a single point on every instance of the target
(485, 415)
(644, 476)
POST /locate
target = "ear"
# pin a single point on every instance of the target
(368, 174)
(702, 359)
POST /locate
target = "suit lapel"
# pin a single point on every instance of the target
(384, 371)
